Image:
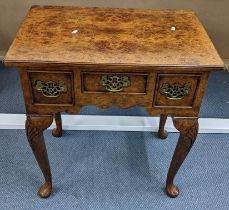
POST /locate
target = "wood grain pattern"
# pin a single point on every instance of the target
(124, 99)
(112, 36)
(162, 133)
(137, 43)
(91, 82)
(81, 98)
(57, 76)
(57, 131)
(183, 79)
(35, 125)
(188, 131)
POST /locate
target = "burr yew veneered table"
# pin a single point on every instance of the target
(69, 57)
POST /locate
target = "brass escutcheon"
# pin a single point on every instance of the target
(115, 83)
(50, 88)
(175, 91)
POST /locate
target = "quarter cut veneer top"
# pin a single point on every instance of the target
(56, 34)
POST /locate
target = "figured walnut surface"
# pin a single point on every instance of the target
(112, 36)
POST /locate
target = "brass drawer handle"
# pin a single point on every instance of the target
(175, 91)
(115, 83)
(50, 88)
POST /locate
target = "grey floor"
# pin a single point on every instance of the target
(114, 170)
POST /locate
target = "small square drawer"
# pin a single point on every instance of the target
(51, 87)
(176, 90)
(119, 83)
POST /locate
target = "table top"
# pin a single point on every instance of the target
(63, 35)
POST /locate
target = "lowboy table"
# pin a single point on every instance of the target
(69, 57)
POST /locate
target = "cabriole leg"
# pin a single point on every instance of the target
(35, 125)
(188, 128)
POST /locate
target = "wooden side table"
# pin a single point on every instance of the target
(69, 57)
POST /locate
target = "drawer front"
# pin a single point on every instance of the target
(118, 83)
(176, 90)
(51, 87)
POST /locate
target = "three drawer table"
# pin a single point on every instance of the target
(69, 57)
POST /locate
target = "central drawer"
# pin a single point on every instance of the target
(123, 89)
(116, 83)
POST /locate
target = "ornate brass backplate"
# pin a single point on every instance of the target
(115, 83)
(50, 88)
(175, 91)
